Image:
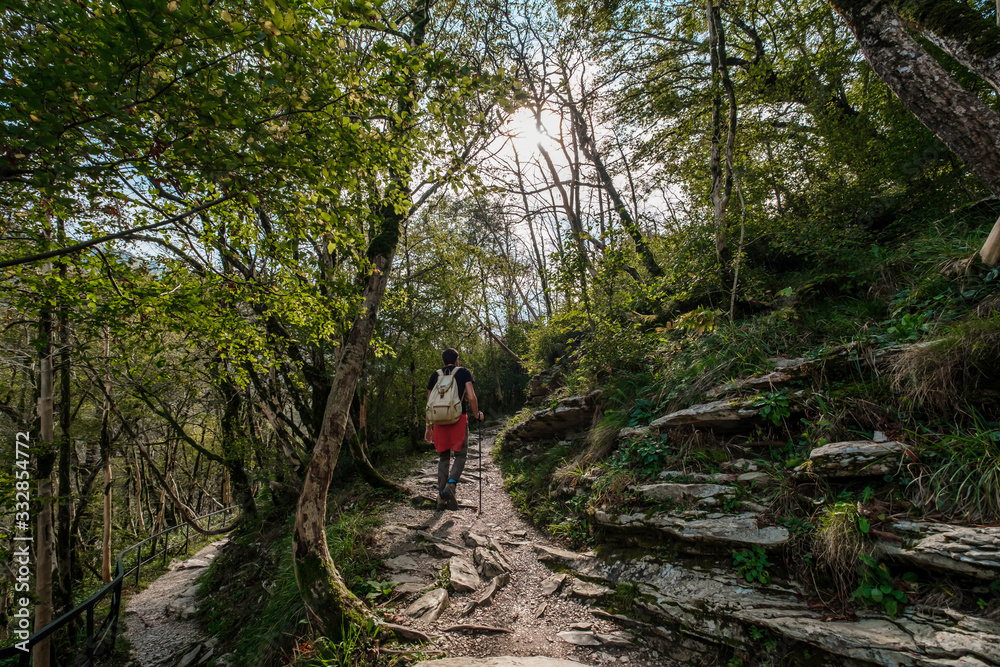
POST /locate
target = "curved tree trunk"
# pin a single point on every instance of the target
(959, 30)
(969, 127)
(322, 588)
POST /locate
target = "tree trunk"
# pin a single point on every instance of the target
(44, 536)
(233, 445)
(534, 242)
(720, 170)
(589, 147)
(368, 471)
(969, 127)
(106, 461)
(959, 30)
(323, 591)
(64, 512)
(322, 588)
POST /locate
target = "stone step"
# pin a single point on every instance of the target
(720, 611)
(694, 531)
(968, 550)
(856, 458)
(728, 416)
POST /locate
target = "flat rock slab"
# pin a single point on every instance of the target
(969, 550)
(700, 530)
(587, 589)
(578, 638)
(717, 415)
(856, 458)
(464, 578)
(570, 414)
(577, 561)
(404, 563)
(770, 381)
(503, 661)
(682, 597)
(553, 583)
(698, 477)
(428, 607)
(680, 493)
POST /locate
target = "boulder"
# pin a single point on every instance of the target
(428, 607)
(698, 531)
(464, 578)
(856, 458)
(970, 550)
(718, 416)
(570, 414)
(544, 384)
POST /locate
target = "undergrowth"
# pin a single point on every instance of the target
(251, 601)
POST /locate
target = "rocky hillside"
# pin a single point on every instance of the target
(754, 537)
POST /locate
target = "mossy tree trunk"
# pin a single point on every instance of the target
(966, 124)
(322, 588)
(326, 596)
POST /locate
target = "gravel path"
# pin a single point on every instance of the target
(533, 618)
(160, 619)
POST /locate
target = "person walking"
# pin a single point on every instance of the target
(452, 437)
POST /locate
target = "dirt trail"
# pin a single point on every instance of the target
(161, 626)
(417, 544)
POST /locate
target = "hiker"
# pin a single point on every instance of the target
(452, 437)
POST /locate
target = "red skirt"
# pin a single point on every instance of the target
(451, 436)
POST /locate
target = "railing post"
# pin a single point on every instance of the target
(138, 564)
(116, 602)
(89, 647)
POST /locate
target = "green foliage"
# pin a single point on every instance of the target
(647, 456)
(880, 589)
(774, 406)
(358, 648)
(764, 637)
(753, 564)
(623, 599)
(961, 472)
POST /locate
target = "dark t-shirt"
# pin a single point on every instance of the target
(464, 375)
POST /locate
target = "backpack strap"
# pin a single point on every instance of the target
(454, 371)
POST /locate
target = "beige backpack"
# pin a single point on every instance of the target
(444, 405)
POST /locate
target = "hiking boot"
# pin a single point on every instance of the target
(449, 496)
(441, 504)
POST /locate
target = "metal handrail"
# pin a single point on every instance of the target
(102, 639)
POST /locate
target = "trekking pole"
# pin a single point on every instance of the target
(480, 465)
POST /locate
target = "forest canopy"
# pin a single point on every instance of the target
(237, 234)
